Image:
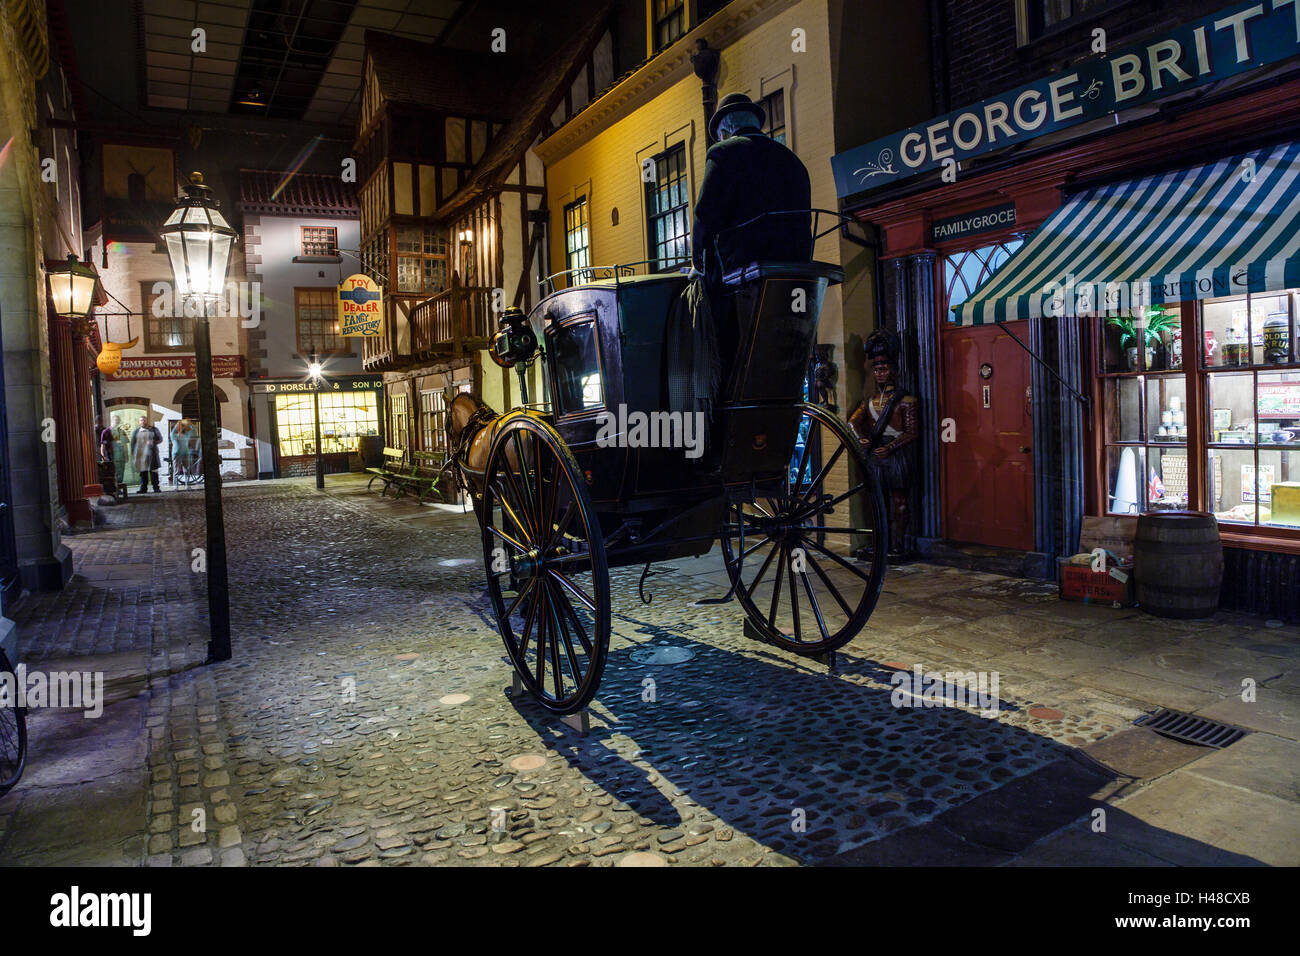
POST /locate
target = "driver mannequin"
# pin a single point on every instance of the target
(747, 173)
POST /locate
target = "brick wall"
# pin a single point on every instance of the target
(982, 59)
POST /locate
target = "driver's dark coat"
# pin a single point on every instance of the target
(746, 175)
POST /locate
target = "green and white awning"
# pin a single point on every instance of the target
(1220, 229)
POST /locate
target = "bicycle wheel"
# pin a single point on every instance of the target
(13, 730)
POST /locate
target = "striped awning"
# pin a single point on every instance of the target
(1220, 229)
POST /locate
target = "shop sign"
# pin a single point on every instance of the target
(1240, 38)
(968, 224)
(360, 306)
(177, 366)
(326, 385)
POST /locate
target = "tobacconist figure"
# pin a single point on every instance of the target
(888, 426)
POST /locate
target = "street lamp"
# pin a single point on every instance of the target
(314, 370)
(72, 287)
(199, 241)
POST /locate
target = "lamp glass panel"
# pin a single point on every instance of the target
(175, 217)
(220, 258)
(61, 292)
(196, 214)
(218, 220)
(180, 273)
(83, 289)
(197, 250)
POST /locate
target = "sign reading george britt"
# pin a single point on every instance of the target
(1240, 38)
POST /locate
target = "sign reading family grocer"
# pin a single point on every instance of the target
(361, 306)
(1240, 38)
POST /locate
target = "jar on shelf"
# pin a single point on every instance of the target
(1277, 338)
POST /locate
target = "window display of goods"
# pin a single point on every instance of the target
(1245, 513)
(1286, 503)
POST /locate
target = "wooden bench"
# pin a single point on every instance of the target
(390, 471)
(424, 475)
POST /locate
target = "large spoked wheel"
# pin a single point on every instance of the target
(807, 557)
(545, 561)
(13, 731)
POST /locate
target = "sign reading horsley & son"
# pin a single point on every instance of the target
(360, 306)
(1240, 38)
(176, 366)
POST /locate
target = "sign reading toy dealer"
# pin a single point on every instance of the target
(968, 224)
(360, 306)
(1240, 38)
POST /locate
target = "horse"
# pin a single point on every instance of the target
(472, 425)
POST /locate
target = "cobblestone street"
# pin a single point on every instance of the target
(363, 719)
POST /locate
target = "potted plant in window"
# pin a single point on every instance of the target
(1158, 321)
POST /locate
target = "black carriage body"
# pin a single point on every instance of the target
(607, 365)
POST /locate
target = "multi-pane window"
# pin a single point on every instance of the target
(964, 271)
(577, 236)
(421, 260)
(344, 418)
(320, 241)
(1250, 363)
(433, 420)
(669, 21)
(667, 215)
(397, 420)
(1038, 16)
(774, 108)
(317, 314)
(164, 332)
(374, 258)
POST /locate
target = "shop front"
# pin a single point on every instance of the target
(349, 409)
(1103, 322)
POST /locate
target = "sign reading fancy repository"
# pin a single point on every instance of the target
(1240, 38)
(360, 306)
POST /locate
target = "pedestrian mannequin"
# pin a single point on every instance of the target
(145, 441)
(104, 439)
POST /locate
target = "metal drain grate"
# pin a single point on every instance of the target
(1190, 729)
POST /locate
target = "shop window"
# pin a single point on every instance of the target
(164, 333)
(397, 420)
(669, 22)
(320, 241)
(667, 203)
(421, 260)
(1250, 366)
(316, 313)
(433, 420)
(1146, 443)
(964, 271)
(344, 418)
(774, 112)
(577, 237)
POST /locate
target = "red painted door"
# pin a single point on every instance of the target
(987, 454)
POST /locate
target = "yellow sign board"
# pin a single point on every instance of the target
(361, 306)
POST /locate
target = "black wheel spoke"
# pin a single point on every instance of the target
(528, 625)
(753, 585)
(827, 506)
(523, 593)
(838, 560)
(794, 599)
(816, 606)
(509, 511)
(821, 475)
(776, 588)
(577, 592)
(508, 540)
(579, 629)
(564, 633)
(835, 592)
(553, 620)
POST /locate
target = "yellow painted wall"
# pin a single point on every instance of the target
(607, 167)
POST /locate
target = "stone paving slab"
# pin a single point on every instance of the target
(1261, 763)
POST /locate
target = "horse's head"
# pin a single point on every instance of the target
(461, 410)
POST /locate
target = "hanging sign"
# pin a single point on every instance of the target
(179, 366)
(1237, 39)
(360, 306)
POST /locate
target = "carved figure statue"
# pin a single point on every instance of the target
(888, 425)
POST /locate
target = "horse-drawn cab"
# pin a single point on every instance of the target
(671, 424)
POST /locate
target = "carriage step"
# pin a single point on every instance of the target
(829, 658)
(581, 721)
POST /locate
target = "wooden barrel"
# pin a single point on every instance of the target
(1178, 563)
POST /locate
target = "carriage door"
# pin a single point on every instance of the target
(987, 470)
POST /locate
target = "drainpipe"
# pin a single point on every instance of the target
(705, 61)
